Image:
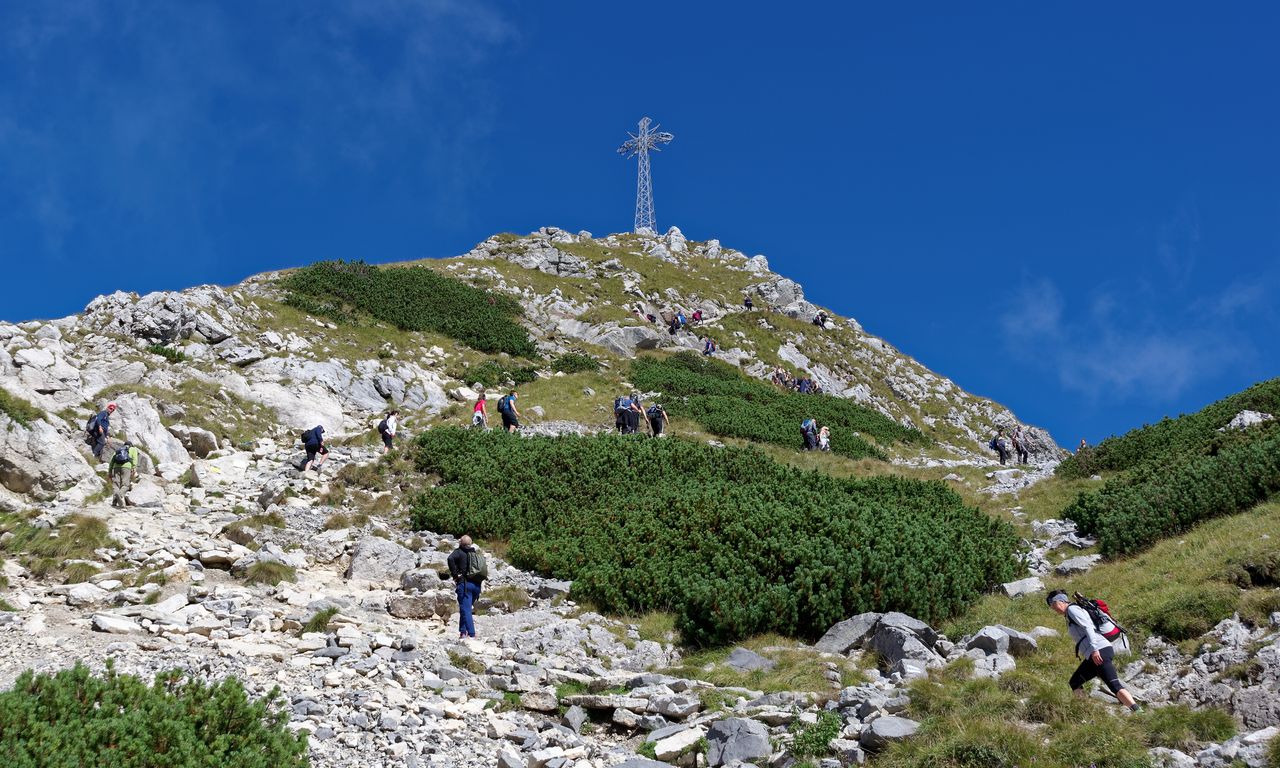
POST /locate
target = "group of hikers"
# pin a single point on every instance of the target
(629, 411)
(123, 461)
(815, 438)
(805, 386)
(1005, 445)
(675, 320)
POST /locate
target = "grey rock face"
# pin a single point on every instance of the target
(848, 634)
(888, 729)
(435, 604)
(36, 460)
(745, 660)
(1077, 565)
(198, 442)
(379, 560)
(1027, 586)
(737, 739)
(895, 644)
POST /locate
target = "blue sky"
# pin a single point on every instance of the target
(1072, 210)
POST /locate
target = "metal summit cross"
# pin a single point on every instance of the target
(639, 144)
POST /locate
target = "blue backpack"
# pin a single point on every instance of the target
(809, 426)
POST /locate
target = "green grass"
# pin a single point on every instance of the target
(44, 550)
(798, 668)
(508, 597)
(812, 740)
(1180, 727)
(466, 663)
(168, 353)
(269, 572)
(257, 522)
(21, 411)
(319, 621)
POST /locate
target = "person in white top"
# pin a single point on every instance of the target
(387, 429)
(1093, 646)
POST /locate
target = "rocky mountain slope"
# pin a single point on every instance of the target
(230, 562)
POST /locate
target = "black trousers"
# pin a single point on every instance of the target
(1105, 671)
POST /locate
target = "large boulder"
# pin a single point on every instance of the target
(737, 739)
(378, 560)
(888, 729)
(37, 461)
(895, 644)
(203, 314)
(138, 421)
(849, 634)
(434, 604)
(626, 340)
(198, 442)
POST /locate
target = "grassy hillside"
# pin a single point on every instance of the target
(732, 542)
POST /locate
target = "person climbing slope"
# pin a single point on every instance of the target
(387, 430)
(1092, 644)
(469, 572)
(510, 414)
(124, 470)
(97, 429)
(313, 444)
(657, 419)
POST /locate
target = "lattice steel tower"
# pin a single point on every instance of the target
(639, 144)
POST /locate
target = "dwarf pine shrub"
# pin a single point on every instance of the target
(731, 541)
(412, 299)
(727, 403)
(76, 718)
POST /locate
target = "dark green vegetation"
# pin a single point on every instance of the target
(168, 353)
(74, 718)
(812, 740)
(575, 362)
(18, 409)
(732, 542)
(727, 403)
(320, 621)
(1164, 497)
(1171, 475)
(412, 299)
(1170, 439)
(492, 374)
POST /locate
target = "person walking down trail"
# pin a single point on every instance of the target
(657, 419)
(746, 302)
(124, 470)
(1093, 636)
(1000, 446)
(809, 431)
(97, 429)
(824, 439)
(387, 429)
(479, 414)
(709, 347)
(317, 451)
(1020, 445)
(510, 414)
(469, 572)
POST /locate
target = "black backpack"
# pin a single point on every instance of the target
(1100, 614)
(654, 411)
(121, 455)
(382, 427)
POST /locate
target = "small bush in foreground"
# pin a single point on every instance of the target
(729, 540)
(812, 740)
(320, 621)
(76, 718)
(1180, 727)
(18, 409)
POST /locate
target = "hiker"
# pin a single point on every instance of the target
(313, 443)
(124, 469)
(1000, 446)
(697, 316)
(708, 347)
(479, 414)
(97, 429)
(1020, 445)
(657, 419)
(1084, 445)
(387, 429)
(824, 439)
(469, 572)
(1093, 645)
(621, 404)
(746, 302)
(809, 431)
(633, 414)
(510, 414)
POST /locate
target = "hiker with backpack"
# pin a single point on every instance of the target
(97, 429)
(313, 444)
(709, 347)
(1091, 628)
(510, 415)
(387, 430)
(1020, 445)
(124, 470)
(658, 418)
(809, 431)
(479, 414)
(469, 572)
(1000, 446)
(747, 303)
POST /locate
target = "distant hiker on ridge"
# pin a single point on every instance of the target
(97, 429)
(124, 470)
(469, 572)
(387, 430)
(1000, 446)
(1093, 646)
(1020, 444)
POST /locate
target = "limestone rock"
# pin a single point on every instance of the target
(848, 634)
(888, 729)
(737, 739)
(379, 560)
(198, 442)
(1027, 586)
(37, 461)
